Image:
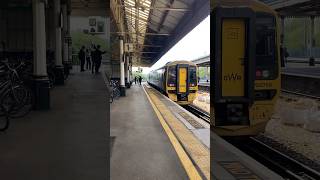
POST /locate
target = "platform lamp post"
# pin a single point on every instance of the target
(282, 48)
(58, 20)
(122, 60)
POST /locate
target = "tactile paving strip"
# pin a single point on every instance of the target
(193, 122)
(196, 150)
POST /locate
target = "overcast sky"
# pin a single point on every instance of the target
(194, 45)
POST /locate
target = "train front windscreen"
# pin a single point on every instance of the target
(193, 76)
(172, 76)
(266, 59)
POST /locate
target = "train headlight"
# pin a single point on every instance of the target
(171, 85)
(265, 73)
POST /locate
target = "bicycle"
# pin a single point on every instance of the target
(115, 91)
(16, 99)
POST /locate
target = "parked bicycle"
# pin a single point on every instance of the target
(114, 90)
(16, 99)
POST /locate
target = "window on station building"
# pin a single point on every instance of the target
(100, 26)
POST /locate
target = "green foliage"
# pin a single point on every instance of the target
(294, 34)
(80, 39)
(137, 74)
(297, 33)
(202, 72)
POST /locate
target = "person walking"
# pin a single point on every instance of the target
(140, 79)
(88, 59)
(93, 58)
(82, 56)
(135, 80)
(98, 57)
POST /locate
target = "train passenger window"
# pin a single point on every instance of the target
(266, 54)
(193, 75)
(172, 74)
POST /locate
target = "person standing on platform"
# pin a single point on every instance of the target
(93, 58)
(88, 59)
(98, 57)
(140, 79)
(135, 80)
(82, 56)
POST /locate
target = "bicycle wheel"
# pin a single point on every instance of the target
(4, 123)
(18, 101)
(116, 93)
(24, 96)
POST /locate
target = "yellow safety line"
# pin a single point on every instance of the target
(184, 158)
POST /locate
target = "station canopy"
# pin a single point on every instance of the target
(89, 7)
(154, 26)
(295, 8)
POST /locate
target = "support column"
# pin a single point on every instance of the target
(122, 59)
(59, 70)
(69, 42)
(40, 85)
(312, 43)
(65, 39)
(282, 48)
(127, 71)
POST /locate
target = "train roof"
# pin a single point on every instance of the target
(252, 4)
(171, 63)
(179, 62)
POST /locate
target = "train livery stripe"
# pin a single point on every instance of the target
(184, 158)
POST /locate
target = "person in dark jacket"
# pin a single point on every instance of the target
(93, 48)
(135, 80)
(88, 59)
(97, 58)
(140, 79)
(82, 58)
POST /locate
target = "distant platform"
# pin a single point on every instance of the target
(302, 70)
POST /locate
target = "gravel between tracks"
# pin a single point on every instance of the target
(202, 101)
(295, 141)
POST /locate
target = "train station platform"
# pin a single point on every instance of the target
(229, 163)
(302, 71)
(69, 141)
(154, 138)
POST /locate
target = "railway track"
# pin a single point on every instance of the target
(300, 94)
(198, 112)
(275, 160)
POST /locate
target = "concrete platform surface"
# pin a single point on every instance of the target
(302, 70)
(65, 143)
(140, 149)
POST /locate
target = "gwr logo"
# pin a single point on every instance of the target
(232, 77)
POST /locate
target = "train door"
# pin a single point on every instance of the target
(233, 74)
(182, 82)
(233, 68)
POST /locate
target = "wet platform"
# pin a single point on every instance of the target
(229, 163)
(151, 141)
(67, 142)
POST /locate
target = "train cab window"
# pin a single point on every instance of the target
(172, 76)
(193, 75)
(266, 59)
